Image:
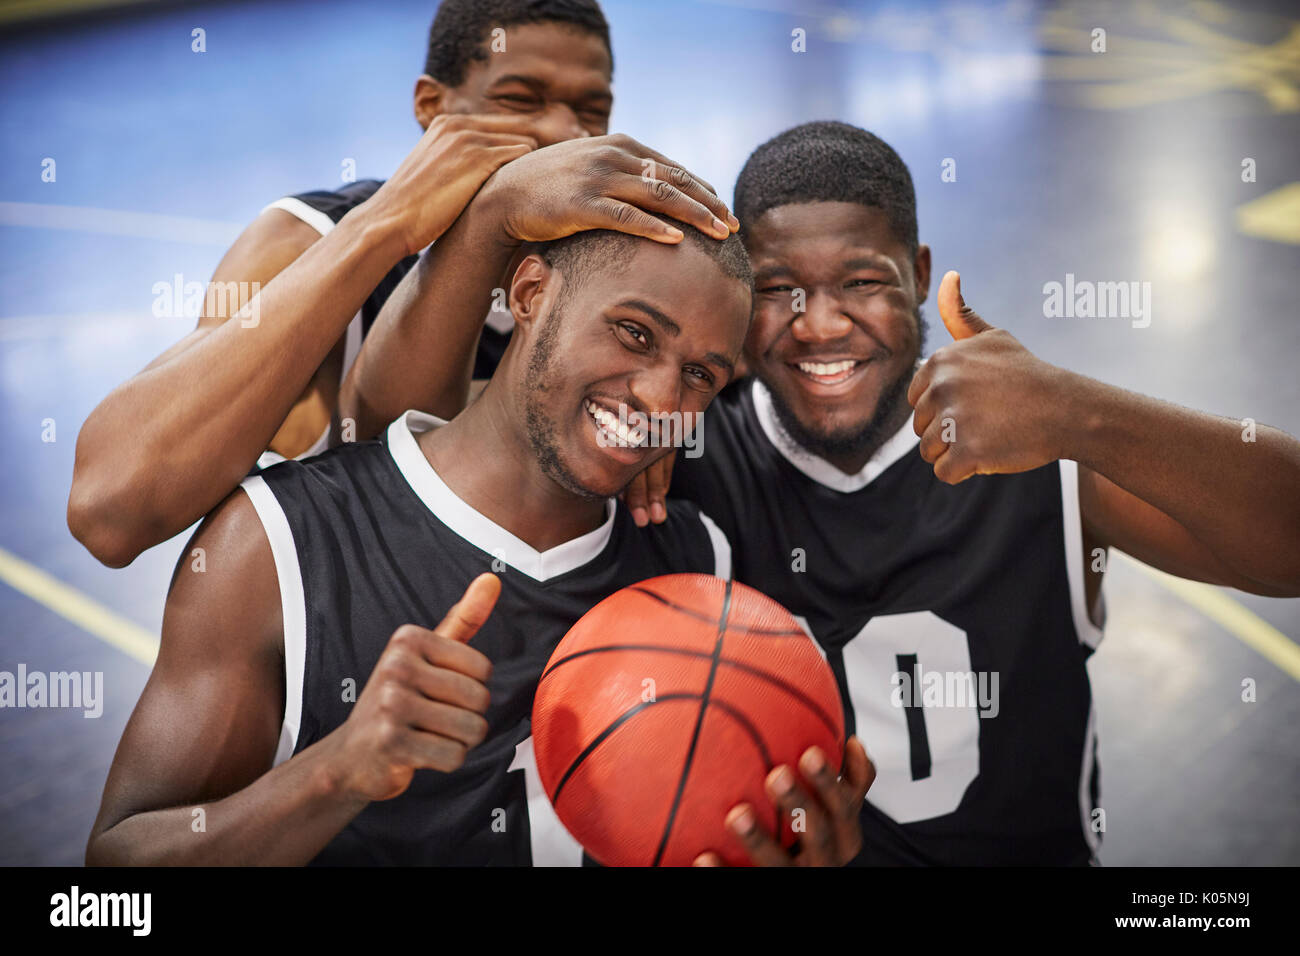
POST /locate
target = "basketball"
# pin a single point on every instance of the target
(666, 705)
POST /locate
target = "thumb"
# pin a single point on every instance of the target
(468, 614)
(960, 320)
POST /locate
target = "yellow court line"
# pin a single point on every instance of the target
(109, 626)
(1237, 619)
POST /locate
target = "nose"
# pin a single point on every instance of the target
(822, 320)
(559, 123)
(658, 389)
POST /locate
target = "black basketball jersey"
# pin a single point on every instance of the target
(954, 618)
(366, 538)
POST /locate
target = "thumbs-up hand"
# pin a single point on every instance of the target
(984, 404)
(423, 705)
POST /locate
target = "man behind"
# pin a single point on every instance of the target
(263, 372)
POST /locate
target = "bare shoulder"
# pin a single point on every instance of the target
(224, 595)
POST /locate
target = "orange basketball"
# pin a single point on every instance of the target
(666, 705)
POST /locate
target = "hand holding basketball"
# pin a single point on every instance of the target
(985, 404)
(831, 832)
(423, 705)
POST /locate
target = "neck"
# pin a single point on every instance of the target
(486, 460)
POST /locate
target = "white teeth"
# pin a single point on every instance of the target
(618, 432)
(827, 368)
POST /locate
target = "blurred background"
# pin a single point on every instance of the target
(1173, 157)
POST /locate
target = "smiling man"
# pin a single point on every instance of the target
(973, 555)
(333, 568)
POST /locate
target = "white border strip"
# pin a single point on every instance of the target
(1085, 779)
(300, 210)
(819, 469)
(476, 528)
(293, 608)
(1089, 633)
(721, 548)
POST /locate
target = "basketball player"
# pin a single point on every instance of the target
(164, 448)
(977, 550)
(324, 574)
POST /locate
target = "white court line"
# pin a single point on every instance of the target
(119, 222)
(20, 327)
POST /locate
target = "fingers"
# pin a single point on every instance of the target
(636, 497)
(952, 468)
(817, 832)
(920, 382)
(858, 772)
(960, 320)
(659, 477)
(673, 192)
(840, 797)
(708, 859)
(657, 184)
(411, 646)
(451, 687)
(485, 122)
(445, 720)
(932, 444)
(762, 849)
(606, 213)
(425, 751)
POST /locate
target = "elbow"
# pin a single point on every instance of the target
(99, 849)
(89, 519)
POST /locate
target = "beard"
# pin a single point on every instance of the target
(538, 425)
(849, 442)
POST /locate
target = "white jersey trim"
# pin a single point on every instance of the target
(721, 548)
(501, 322)
(300, 210)
(293, 607)
(1085, 780)
(476, 528)
(352, 337)
(1089, 633)
(819, 469)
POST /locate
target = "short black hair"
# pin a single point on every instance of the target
(828, 161)
(583, 253)
(461, 29)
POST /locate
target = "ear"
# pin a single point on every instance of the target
(532, 289)
(430, 100)
(921, 270)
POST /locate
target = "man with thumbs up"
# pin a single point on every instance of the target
(953, 582)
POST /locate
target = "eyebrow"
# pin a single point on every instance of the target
(672, 328)
(867, 262)
(659, 319)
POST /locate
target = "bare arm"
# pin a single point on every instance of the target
(420, 352)
(204, 733)
(1177, 488)
(1181, 490)
(165, 447)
